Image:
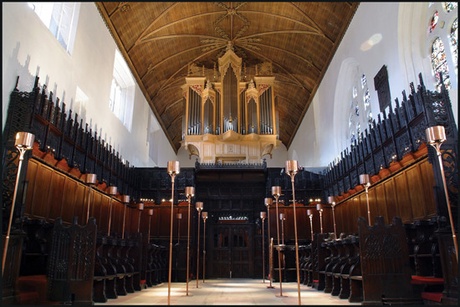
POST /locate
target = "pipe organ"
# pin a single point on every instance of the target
(230, 112)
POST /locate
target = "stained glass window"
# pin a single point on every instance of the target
(439, 63)
(434, 21)
(449, 6)
(454, 42)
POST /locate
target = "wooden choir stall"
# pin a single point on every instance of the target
(88, 227)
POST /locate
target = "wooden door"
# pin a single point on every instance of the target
(231, 251)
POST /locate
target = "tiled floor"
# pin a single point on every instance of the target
(228, 292)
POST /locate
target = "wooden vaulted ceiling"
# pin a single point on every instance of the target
(159, 41)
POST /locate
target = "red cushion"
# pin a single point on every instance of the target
(426, 280)
(33, 284)
(27, 298)
(432, 296)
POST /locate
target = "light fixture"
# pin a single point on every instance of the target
(310, 216)
(276, 192)
(291, 171)
(263, 215)
(176, 265)
(90, 180)
(112, 191)
(189, 193)
(331, 200)
(282, 219)
(140, 208)
(24, 141)
(319, 207)
(178, 217)
(150, 223)
(173, 171)
(199, 207)
(204, 215)
(435, 136)
(268, 202)
(365, 181)
(125, 201)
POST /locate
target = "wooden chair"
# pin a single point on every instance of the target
(71, 262)
(385, 267)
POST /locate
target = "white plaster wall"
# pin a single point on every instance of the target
(314, 141)
(29, 48)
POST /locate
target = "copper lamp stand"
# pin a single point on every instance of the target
(435, 136)
(282, 219)
(179, 217)
(24, 141)
(199, 207)
(150, 223)
(291, 171)
(90, 180)
(204, 215)
(112, 191)
(189, 193)
(319, 207)
(276, 192)
(173, 170)
(263, 215)
(268, 203)
(310, 216)
(125, 201)
(331, 200)
(365, 181)
(140, 207)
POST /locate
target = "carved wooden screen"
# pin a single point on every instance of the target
(232, 251)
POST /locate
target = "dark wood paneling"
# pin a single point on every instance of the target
(380, 203)
(56, 195)
(80, 203)
(32, 170)
(391, 207)
(403, 197)
(417, 196)
(41, 191)
(407, 194)
(428, 182)
(68, 200)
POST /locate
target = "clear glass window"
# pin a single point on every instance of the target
(121, 101)
(60, 18)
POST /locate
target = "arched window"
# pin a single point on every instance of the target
(121, 100)
(360, 115)
(442, 32)
(454, 43)
(439, 63)
(61, 18)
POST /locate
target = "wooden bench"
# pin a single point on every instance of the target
(104, 274)
(70, 269)
(134, 257)
(385, 267)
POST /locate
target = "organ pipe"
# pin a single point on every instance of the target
(229, 106)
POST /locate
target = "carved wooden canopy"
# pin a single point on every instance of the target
(164, 42)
